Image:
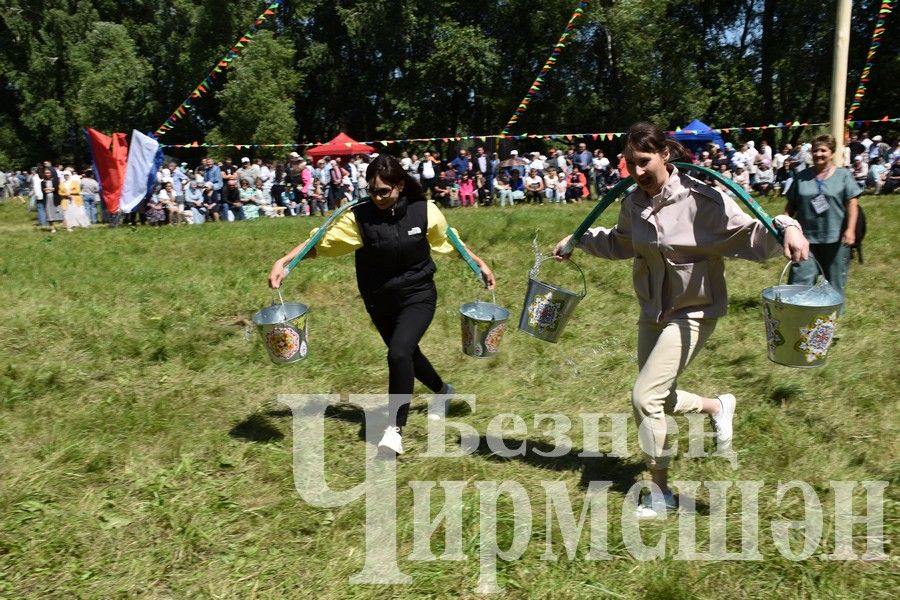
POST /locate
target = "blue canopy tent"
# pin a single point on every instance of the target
(696, 135)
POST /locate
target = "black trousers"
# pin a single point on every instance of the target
(401, 327)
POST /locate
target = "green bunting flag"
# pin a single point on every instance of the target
(557, 49)
(221, 65)
(885, 9)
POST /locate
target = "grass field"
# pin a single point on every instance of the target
(143, 452)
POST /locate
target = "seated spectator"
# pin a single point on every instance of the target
(860, 171)
(516, 186)
(503, 191)
(482, 189)
(154, 211)
(765, 178)
(577, 187)
(210, 202)
(467, 189)
(534, 187)
(892, 178)
(248, 201)
(784, 176)
(193, 199)
(551, 183)
(877, 174)
(742, 178)
(442, 188)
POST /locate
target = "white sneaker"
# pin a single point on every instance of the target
(722, 422)
(653, 506)
(437, 408)
(392, 440)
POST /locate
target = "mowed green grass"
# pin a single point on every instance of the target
(143, 452)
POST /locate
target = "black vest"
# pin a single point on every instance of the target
(394, 263)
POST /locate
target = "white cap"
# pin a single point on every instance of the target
(877, 138)
(513, 152)
(294, 156)
(245, 159)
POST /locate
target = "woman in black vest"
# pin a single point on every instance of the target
(393, 236)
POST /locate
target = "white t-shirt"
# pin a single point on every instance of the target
(427, 169)
(532, 181)
(601, 164)
(551, 181)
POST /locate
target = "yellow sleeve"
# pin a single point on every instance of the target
(342, 238)
(437, 230)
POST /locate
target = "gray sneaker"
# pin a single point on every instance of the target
(438, 407)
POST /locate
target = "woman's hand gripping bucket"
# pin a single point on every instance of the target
(800, 321)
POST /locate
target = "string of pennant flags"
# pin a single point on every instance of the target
(206, 84)
(884, 10)
(548, 66)
(607, 136)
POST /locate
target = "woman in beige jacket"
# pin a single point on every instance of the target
(678, 231)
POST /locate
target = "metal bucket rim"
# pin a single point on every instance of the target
(491, 320)
(792, 286)
(557, 288)
(303, 309)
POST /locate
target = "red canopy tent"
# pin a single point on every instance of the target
(341, 145)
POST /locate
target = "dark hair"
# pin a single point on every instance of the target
(644, 136)
(391, 172)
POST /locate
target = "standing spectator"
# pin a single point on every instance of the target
(413, 171)
(71, 203)
(461, 164)
(623, 169)
(537, 164)
(824, 199)
(601, 169)
(37, 195)
(483, 164)
(857, 147)
(878, 148)
(428, 174)
(90, 194)
(212, 175)
(180, 181)
(50, 194)
(362, 168)
(585, 161)
(247, 172)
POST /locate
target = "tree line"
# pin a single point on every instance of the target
(406, 68)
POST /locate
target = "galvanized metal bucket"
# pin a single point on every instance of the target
(483, 325)
(548, 307)
(798, 335)
(284, 329)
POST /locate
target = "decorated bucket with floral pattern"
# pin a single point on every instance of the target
(284, 330)
(798, 335)
(483, 325)
(548, 307)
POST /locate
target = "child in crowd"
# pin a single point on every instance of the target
(482, 189)
(466, 190)
(317, 203)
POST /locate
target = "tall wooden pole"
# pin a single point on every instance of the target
(839, 77)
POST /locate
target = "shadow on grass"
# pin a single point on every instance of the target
(621, 473)
(256, 428)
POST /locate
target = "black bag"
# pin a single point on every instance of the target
(860, 233)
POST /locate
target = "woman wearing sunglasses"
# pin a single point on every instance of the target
(392, 237)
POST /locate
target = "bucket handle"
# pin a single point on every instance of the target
(544, 259)
(784, 271)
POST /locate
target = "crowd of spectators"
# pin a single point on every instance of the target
(247, 189)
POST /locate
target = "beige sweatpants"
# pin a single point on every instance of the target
(664, 350)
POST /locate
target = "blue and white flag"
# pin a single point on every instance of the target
(144, 159)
